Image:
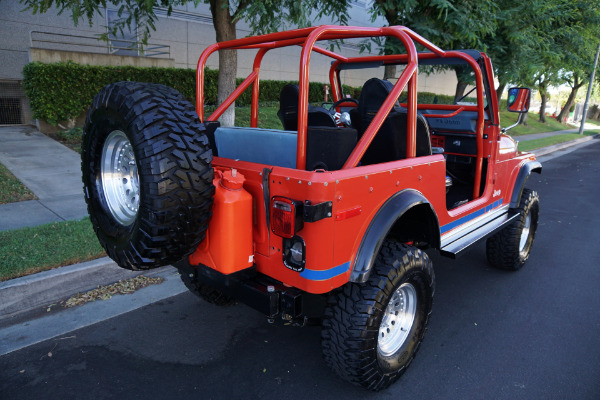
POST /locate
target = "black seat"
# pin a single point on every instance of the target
(288, 110)
(389, 143)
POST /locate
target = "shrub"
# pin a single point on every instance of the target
(62, 91)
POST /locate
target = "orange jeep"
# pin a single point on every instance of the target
(345, 204)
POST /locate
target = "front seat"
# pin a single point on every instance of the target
(389, 144)
(288, 110)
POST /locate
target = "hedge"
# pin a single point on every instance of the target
(62, 91)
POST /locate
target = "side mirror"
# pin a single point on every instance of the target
(518, 99)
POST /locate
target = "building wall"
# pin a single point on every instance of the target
(188, 32)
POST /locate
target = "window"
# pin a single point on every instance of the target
(124, 43)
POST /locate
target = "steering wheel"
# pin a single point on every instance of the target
(342, 118)
(340, 101)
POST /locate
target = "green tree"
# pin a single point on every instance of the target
(450, 24)
(262, 15)
(577, 40)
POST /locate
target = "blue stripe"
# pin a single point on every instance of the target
(473, 215)
(322, 275)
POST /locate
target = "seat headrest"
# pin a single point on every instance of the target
(373, 94)
(288, 98)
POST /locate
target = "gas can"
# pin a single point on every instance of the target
(228, 245)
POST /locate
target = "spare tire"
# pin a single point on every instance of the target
(147, 174)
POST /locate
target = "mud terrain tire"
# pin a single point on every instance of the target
(147, 174)
(510, 248)
(372, 331)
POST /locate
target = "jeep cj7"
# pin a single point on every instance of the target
(344, 205)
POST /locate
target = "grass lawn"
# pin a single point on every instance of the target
(29, 250)
(11, 189)
(267, 117)
(549, 141)
(533, 124)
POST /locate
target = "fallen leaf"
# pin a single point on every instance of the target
(22, 371)
(49, 354)
(264, 370)
(106, 292)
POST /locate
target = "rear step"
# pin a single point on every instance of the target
(457, 247)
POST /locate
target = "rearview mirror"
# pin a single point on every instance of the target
(518, 99)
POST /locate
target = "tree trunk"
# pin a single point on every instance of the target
(389, 72)
(544, 97)
(461, 86)
(225, 30)
(523, 119)
(564, 113)
(595, 112)
(499, 91)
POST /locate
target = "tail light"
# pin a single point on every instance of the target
(286, 216)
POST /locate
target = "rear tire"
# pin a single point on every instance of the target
(510, 248)
(372, 331)
(147, 174)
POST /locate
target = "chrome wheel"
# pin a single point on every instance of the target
(525, 233)
(120, 180)
(397, 320)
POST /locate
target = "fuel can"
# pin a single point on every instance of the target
(228, 245)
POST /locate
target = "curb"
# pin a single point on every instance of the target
(28, 293)
(542, 151)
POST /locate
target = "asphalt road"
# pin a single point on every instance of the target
(533, 334)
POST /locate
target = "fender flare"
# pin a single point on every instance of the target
(381, 224)
(524, 172)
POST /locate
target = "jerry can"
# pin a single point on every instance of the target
(228, 245)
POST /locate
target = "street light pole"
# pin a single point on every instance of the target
(589, 93)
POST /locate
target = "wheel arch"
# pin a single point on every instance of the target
(406, 214)
(524, 173)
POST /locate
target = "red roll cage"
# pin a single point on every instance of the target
(307, 38)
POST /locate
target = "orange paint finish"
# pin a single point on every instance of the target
(357, 192)
(318, 236)
(228, 245)
(370, 190)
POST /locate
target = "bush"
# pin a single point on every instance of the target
(62, 91)
(270, 90)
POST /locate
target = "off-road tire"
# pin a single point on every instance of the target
(191, 280)
(504, 250)
(353, 317)
(173, 160)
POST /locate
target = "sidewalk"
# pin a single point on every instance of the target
(49, 169)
